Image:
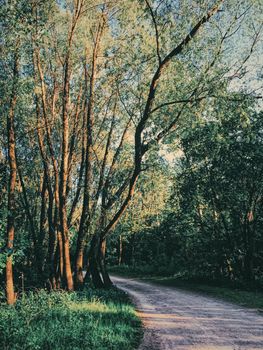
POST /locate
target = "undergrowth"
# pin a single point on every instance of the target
(99, 320)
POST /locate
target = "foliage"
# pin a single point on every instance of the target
(94, 121)
(59, 320)
(211, 227)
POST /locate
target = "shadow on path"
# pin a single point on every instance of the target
(182, 320)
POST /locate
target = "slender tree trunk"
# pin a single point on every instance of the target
(63, 182)
(51, 256)
(61, 257)
(43, 218)
(38, 254)
(64, 171)
(133, 251)
(81, 170)
(79, 265)
(120, 250)
(249, 245)
(83, 227)
(56, 267)
(53, 196)
(10, 293)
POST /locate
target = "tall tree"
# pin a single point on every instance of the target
(10, 293)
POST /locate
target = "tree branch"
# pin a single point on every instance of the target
(156, 31)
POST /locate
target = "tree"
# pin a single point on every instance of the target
(212, 222)
(99, 113)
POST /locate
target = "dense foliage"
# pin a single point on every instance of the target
(99, 101)
(211, 227)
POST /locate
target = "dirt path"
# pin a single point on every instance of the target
(180, 320)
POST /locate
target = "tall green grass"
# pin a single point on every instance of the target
(88, 320)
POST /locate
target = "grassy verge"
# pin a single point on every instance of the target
(89, 320)
(235, 294)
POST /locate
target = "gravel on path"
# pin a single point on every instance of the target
(181, 320)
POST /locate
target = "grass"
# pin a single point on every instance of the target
(233, 293)
(99, 320)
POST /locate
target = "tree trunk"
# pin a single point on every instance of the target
(43, 220)
(106, 278)
(250, 247)
(38, 254)
(95, 273)
(10, 293)
(88, 164)
(52, 257)
(120, 250)
(64, 178)
(67, 265)
(61, 257)
(79, 267)
(93, 262)
(56, 284)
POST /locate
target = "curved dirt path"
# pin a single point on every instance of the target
(181, 320)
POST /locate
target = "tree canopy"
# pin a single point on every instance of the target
(95, 96)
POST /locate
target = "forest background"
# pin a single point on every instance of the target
(134, 124)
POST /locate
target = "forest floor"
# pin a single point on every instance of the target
(185, 320)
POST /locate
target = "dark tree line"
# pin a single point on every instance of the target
(212, 224)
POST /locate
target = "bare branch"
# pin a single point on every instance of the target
(156, 31)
